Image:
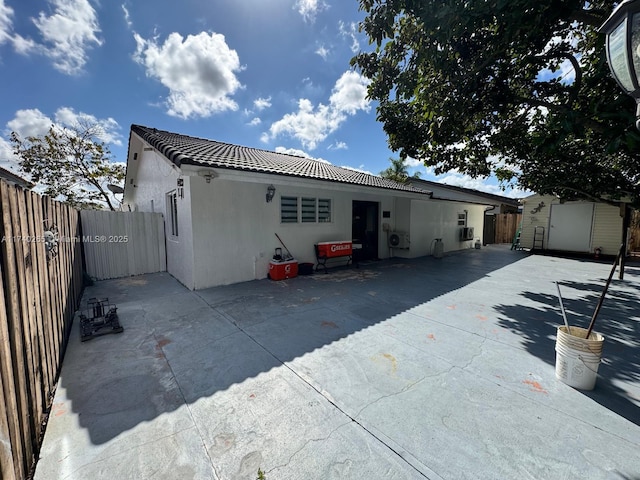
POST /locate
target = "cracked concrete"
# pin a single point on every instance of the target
(438, 369)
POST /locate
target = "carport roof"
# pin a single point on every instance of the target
(186, 150)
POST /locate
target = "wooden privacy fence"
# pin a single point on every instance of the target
(507, 225)
(121, 244)
(41, 290)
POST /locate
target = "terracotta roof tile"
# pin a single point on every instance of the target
(182, 149)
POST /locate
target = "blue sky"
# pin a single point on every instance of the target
(271, 74)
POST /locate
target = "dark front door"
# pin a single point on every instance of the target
(365, 229)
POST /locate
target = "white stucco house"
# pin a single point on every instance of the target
(548, 223)
(224, 204)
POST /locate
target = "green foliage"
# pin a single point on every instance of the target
(398, 171)
(72, 165)
(261, 475)
(478, 87)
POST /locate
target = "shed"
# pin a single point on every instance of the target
(548, 223)
(223, 205)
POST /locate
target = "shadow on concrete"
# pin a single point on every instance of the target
(618, 321)
(179, 346)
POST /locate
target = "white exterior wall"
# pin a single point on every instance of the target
(154, 178)
(234, 227)
(439, 219)
(227, 229)
(606, 231)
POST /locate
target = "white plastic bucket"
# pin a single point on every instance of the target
(578, 358)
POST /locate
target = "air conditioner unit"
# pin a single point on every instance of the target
(466, 233)
(399, 240)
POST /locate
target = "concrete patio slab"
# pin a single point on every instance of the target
(426, 368)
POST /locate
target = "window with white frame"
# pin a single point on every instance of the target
(462, 219)
(289, 209)
(308, 210)
(324, 210)
(172, 212)
(305, 210)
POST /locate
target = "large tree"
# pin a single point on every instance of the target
(72, 164)
(519, 88)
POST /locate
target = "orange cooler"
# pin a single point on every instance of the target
(334, 249)
(283, 270)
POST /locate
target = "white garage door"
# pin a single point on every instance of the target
(570, 227)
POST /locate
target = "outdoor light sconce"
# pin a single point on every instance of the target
(207, 174)
(271, 191)
(622, 44)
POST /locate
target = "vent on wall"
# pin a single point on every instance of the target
(399, 240)
(466, 233)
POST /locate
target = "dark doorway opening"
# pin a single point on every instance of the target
(364, 230)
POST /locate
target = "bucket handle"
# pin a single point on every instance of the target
(587, 366)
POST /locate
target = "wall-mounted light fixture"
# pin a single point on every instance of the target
(622, 30)
(207, 174)
(271, 191)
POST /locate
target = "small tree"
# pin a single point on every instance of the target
(397, 171)
(72, 165)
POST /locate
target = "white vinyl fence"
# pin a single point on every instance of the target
(121, 244)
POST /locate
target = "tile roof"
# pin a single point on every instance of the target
(185, 150)
(491, 196)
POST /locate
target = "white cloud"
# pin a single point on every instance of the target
(6, 24)
(7, 158)
(311, 125)
(350, 93)
(359, 168)
(127, 17)
(412, 162)
(323, 52)
(108, 128)
(262, 103)
(29, 123)
(480, 184)
(197, 70)
(338, 146)
(34, 123)
(310, 8)
(350, 31)
(67, 34)
(300, 153)
(255, 121)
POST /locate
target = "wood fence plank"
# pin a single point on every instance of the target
(45, 309)
(34, 400)
(10, 443)
(31, 340)
(48, 223)
(14, 323)
(38, 299)
(37, 251)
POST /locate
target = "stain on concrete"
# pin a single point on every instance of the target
(387, 357)
(222, 443)
(535, 386)
(326, 324)
(58, 409)
(482, 318)
(249, 466)
(431, 336)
